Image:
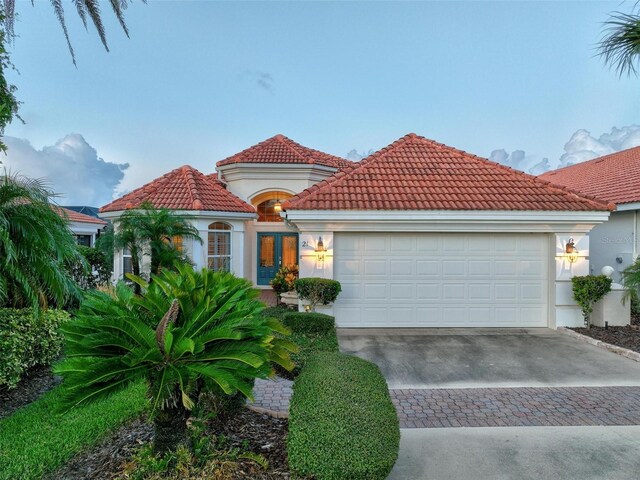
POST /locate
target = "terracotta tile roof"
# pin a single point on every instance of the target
(72, 216)
(415, 173)
(184, 188)
(612, 178)
(280, 149)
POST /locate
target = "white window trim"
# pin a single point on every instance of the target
(124, 256)
(230, 255)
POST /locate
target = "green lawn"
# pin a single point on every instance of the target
(35, 440)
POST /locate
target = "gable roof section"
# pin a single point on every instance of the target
(73, 216)
(415, 173)
(280, 149)
(184, 188)
(612, 178)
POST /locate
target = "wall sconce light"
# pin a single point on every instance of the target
(571, 252)
(320, 250)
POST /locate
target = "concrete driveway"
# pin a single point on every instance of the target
(519, 453)
(506, 404)
(483, 358)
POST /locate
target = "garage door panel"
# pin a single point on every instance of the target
(403, 291)
(375, 267)
(454, 291)
(429, 268)
(479, 268)
(441, 280)
(428, 291)
(350, 291)
(481, 291)
(375, 291)
(453, 267)
(375, 244)
(401, 267)
(402, 244)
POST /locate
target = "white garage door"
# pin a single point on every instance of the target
(441, 280)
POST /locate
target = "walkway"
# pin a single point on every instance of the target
(491, 407)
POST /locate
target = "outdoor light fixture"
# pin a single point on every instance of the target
(320, 249)
(571, 252)
(278, 206)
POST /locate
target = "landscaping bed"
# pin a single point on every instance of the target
(246, 433)
(625, 337)
(34, 384)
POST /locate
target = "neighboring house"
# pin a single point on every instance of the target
(85, 228)
(615, 179)
(419, 234)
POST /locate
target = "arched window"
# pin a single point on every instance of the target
(219, 246)
(269, 205)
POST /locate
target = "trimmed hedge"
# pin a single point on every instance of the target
(312, 332)
(342, 423)
(308, 323)
(27, 340)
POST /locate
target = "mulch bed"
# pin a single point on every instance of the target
(248, 431)
(38, 381)
(626, 337)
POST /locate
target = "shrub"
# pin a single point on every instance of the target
(285, 279)
(342, 423)
(587, 290)
(27, 340)
(310, 323)
(311, 332)
(317, 290)
(94, 272)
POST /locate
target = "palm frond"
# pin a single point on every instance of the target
(620, 45)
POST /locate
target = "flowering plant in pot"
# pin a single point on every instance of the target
(283, 284)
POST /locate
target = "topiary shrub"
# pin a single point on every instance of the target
(27, 340)
(310, 323)
(317, 290)
(342, 423)
(587, 290)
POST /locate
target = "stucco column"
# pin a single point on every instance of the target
(565, 310)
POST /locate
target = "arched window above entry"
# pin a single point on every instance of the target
(269, 205)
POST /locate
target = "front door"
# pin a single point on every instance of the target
(275, 250)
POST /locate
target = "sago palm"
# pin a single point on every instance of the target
(35, 244)
(189, 333)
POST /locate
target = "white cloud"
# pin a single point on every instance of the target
(582, 146)
(72, 168)
(356, 156)
(519, 160)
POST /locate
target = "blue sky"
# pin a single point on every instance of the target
(198, 81)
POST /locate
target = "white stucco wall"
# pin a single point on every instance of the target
(614, 239)
(197, 251)
(249, 180)
(565, 312)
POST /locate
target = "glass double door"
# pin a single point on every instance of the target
(275, 250)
